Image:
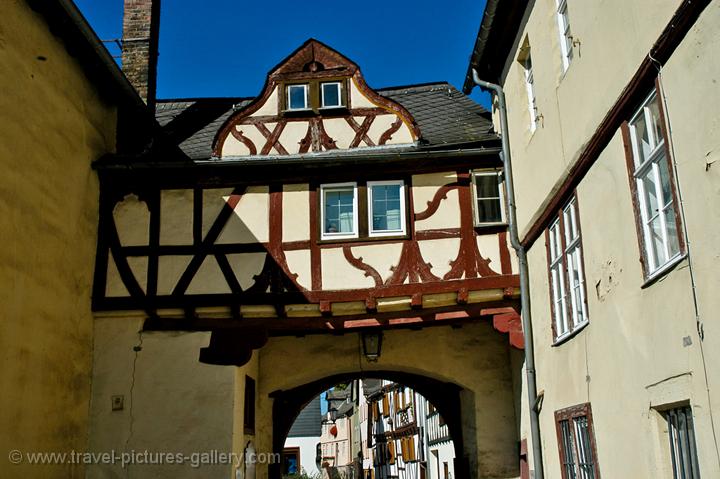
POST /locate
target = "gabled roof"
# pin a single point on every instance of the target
(443, 114)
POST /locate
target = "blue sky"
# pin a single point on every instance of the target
(226, 47)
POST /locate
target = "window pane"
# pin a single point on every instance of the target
(656, 246)
(487, 186)
(386, 208)
(649, 193)
(673, 240)
(331, 94)
(296, 97)
(489, 211)
(339, 211)
(568, 447)
(641, 138)
(654, 111)
(683, 449)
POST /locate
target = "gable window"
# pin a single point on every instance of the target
(330, 95)
(566, 275)
(386, 208)
(657, 215)
(530, 88)
(339, 211)
(488, 193)
(297, 97)
(683, 450)
(576, 443)
(566, 40)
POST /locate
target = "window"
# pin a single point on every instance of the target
(566, 39)
(331, 95)
(297, 97)
(366, 209)
(339, 211)
(291, 461)
(566, 276)
(488, 192)
(530, 87)
(386, 208)
(683, 450)
(249, 408)
(652, 184)
(576, 443)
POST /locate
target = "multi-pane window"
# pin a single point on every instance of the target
(488, 193)
(566, 275)
(330, 95)
(297, 97)
(386, 207)
(683, 449)
(566, 40)
(653, 187)
(576, 443)
(530, 87)
(363, 210)
(339, 210)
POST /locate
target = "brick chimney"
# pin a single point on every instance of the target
(141, 28)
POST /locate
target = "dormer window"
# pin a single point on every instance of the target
(330, 94)
(297, 97)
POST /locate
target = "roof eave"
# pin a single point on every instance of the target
(493, 44)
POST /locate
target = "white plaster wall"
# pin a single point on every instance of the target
(308, 450)
(445, 454)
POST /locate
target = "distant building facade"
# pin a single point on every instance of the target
(303, 441)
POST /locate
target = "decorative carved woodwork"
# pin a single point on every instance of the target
(311, 63)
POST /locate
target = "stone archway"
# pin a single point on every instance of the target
(445, 396)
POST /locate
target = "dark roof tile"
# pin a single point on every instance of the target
(443, 114)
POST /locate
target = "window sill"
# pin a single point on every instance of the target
(362, 240)
(568, 336)
(663, 271)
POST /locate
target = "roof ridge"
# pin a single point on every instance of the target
(415, 86)
(193, 99)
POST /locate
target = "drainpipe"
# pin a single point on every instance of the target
(524, 279)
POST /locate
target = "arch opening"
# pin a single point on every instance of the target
(376, 424)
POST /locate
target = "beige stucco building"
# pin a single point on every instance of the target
(59, 112)
(614, 135)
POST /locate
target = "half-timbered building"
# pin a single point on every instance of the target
(279, 224)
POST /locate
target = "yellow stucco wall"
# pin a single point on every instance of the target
(475, 357)
(53, 126)
(633, 359)
(616, 34)
(172, 403)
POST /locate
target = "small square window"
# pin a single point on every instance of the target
(488, 192)
(386, 208)
(331, 95)
(297, 97)
(339, 211)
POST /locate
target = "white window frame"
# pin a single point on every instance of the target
(566, 40)
(501, 190)
(322, 94)
(567, 290)
(339, 235)
(530, 88)
(641, 168)
(403, 221)
(305, 87)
